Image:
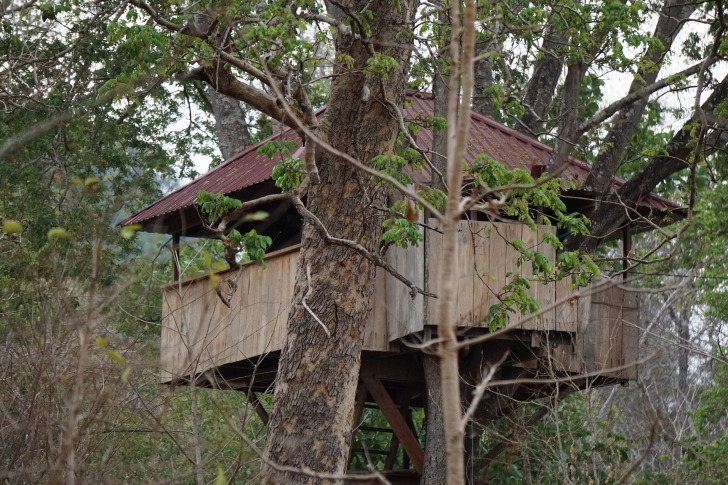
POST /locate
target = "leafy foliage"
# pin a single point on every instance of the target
(215, 206)
(289, 172)
(573, 444)
(252, 243)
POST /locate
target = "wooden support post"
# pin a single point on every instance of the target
(361, 399)
(626, 249)
(392, 456)
(404, 398)
(257, 406)
(396, 421)
(175, 258)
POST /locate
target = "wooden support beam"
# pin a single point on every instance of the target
(175, 257)
(392, 455)
(361, 400)
(396, 421)
(257, 406)
(403, 399)
(626, 249)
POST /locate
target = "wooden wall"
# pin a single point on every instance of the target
(199, 332)
(609, 332)
(487, 262)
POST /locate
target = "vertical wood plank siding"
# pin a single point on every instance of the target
(199, 332)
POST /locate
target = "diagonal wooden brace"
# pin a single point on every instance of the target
(398, 423)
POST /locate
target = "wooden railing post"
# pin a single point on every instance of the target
(626, 249)
(175, 257)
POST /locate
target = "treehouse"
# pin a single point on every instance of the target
(228, 331)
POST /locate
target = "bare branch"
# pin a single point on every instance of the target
(18, 8)
(309, 291)
(605, 113)
(361, 250)
(34, 132)
(480, 389)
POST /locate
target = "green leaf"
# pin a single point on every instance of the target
(235, 236)
(126, 373)
(220, 479)
(289, 173)
(12, 227)
(58, 233)
(215, 206)
(380, 65)
(399, 231)
(115, 356)
(254, 245)
(128, 232)
(256, 216)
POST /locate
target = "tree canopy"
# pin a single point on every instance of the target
(105, 103)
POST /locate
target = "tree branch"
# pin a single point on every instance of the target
(677, 152)
(642, 93)
(480, 389)
(301, 127)
(358, 248)
(220, 77)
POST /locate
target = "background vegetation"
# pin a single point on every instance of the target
(94, 124)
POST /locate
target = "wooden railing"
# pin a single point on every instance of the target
(200, 332)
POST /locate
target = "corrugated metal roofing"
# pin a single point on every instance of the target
(507, 146)
(514, 149)
(242, 170)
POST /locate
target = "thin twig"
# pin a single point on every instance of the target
(305, 305)
(373, 258)
(480, 390)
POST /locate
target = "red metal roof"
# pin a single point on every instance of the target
(242, 170)
(507, 146)
(514, 150)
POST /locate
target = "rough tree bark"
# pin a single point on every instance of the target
(310, 424)
(482, 101)
(541, 87)
(569, 120)
(435, 470)
(232, 130)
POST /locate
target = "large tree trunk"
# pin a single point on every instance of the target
(482, 101)
(435, 470)
(310, 424)
(232, 130)
(541, 88)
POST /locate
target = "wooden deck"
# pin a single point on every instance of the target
(200, 333)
